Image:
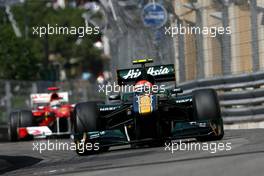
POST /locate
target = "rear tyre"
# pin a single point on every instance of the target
(86, 119)
(22, 118)
(206, 107)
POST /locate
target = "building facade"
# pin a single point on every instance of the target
(240, 49)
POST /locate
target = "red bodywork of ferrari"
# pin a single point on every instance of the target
(54, 118)
(51, 114)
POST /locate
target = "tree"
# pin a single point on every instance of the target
(17, 58)
(27, 58)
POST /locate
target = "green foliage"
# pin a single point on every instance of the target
(26, 58)
(17, 59)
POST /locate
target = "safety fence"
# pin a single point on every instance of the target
(241, 97)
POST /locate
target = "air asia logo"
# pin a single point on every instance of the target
(134, 73)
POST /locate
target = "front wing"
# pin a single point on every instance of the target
(182, 130)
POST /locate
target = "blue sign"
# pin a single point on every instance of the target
(154, 15)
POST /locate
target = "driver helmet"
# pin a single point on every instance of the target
(143, 86)
(55, 100)
(55, 103)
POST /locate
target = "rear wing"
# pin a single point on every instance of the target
(161, 73)
(41, 98)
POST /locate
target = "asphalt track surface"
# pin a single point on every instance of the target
(246, 158)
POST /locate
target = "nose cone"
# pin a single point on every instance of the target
(144, 104)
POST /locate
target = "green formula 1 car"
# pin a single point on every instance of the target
(147, 115)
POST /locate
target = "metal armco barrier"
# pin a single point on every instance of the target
(241, 97)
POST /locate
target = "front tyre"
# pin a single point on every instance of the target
(86, 119)
(206, 107)
(22, 118)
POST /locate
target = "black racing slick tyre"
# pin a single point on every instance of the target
(206, 107)
(86, 119)
(12, 126)
(26, 118)
(18, 119)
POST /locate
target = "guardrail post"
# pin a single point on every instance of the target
(254, 35)
(181, 55)
(34, 87)
(226, 44)
(199, 45)
(8, 97)
(86, 88)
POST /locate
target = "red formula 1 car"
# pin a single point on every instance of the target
(50, 115)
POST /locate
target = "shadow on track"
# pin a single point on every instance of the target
(17, 162)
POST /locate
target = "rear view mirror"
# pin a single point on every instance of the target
(114, 97)
(176, 90)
